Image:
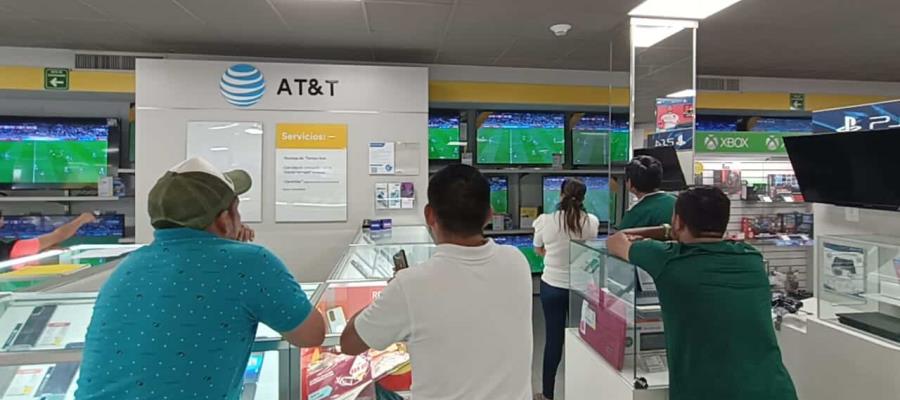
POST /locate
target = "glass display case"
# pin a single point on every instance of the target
(44, 336)
(859, 283)
(606, 307)
(57, 265)
(371, 254)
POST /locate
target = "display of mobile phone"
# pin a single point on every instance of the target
(6, 376)
(400, 262)
(58, 379)
(34, 327)
(336, 320)
(254, 366)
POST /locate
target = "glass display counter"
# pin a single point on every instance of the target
(57, 265)
(859, 283)
(371, 255)
(605, 308)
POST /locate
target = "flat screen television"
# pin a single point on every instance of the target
(848, 169)
(56, 153)
(774, 124)
(525, 244)
(499, 194)
(596, 201)
(31, 226)
(443, 136)
(673, 176)
(716, 123)
(598, 139)
(520, 138)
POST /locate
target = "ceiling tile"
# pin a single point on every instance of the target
(418, 56)
(24, 32)
(412, 1)
(457, 44)
(92, 34)
(150, 15)
(328, 16)
(51, 9)
(239, 19)
(542, 48)
(464, 60)
(408, 18)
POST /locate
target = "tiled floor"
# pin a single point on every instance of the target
(538, 316)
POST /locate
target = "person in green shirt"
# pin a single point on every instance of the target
(643, 177)
(716, 303)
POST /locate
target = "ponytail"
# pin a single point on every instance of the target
(571, 205)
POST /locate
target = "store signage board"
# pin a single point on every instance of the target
(862, 118)
(310, 172)
(742, 142)
(798, 102)
(681, 139)
(237, 85)
(56, 79)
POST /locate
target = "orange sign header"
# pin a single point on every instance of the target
(311, 136)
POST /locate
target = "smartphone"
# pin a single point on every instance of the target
(254, 366)
(400, 262)
(336, 319)
(58, 379)
(34, 327)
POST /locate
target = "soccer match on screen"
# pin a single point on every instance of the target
(53, 153)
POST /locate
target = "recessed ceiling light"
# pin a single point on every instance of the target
(687, 9)
(560, 29)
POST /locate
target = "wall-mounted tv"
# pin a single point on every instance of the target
(773, 124)
(596, 201)
(717, 123)
(443, 136)
(525, 244)
(499, 194)
(848, 169)
(31, 226)
(56, 153)
(520, 138)
(598, 139)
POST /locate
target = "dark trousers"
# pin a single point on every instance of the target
(555, 302)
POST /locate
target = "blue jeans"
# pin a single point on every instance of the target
(555, 302)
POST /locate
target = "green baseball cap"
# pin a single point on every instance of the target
(193, 193)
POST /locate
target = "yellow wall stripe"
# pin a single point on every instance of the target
(101, 81)
(21, 78)
(32, 78)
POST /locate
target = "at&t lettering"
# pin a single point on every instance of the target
(309, 87)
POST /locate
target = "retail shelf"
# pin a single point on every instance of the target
(62, 199)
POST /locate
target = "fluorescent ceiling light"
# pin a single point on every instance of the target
(688, 9)
(646, 32)
(683, 93)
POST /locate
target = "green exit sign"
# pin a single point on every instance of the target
(56, 78)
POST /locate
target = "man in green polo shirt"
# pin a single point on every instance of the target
(643, 177)
(716, 303)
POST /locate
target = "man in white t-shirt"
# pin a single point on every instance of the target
(466, 312)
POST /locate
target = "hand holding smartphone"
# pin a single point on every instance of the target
(400, 261)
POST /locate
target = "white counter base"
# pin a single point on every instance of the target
(829, 361)
(590, 377)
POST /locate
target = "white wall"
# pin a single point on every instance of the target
(171, 93)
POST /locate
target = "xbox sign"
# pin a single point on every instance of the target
(742, 142)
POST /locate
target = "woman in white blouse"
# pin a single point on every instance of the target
(552, 236)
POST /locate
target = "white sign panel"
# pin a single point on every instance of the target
(228, 146)
(311, 172)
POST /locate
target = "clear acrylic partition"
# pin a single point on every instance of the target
(604, 307)
(371, 256)
(326, 373)
(858, 274)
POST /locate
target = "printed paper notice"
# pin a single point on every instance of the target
(382, 158)
(311, 172)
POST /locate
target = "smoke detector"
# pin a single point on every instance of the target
(560, 29)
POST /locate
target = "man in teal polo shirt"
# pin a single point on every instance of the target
(643, 177)
(177, 318)
(716, 303)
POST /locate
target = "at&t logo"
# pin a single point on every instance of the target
(242, 85)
